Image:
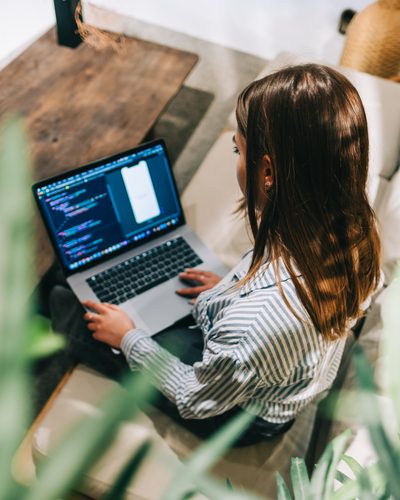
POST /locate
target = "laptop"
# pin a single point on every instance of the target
(119, 232)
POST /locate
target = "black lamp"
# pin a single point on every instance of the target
(67, 29)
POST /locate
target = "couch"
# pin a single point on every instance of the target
(209, 201)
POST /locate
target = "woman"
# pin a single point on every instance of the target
(274, 328)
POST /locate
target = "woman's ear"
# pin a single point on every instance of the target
(267, 171)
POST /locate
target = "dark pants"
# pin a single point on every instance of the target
(66, 314)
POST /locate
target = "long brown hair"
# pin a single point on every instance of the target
(310, 121)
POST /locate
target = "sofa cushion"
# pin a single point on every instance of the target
(209, 202)
(388, 212)
(252, 467)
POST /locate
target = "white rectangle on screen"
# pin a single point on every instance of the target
(141, 192)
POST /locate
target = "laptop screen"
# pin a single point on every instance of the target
(109, 206)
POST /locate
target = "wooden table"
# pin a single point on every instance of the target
(82, 104)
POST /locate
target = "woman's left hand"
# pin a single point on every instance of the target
(200, 282)
(108, 322)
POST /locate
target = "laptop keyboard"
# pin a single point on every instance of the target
(142, 272)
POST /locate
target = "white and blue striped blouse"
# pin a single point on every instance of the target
(257, 354)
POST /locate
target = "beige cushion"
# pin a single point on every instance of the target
(252, 467)
(388, 212)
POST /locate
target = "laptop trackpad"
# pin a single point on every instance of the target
(161, 308)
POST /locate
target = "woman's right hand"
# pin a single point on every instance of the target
(200, 281)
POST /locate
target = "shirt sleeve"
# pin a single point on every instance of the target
(212, 386)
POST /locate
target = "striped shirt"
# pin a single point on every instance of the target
(257, 355)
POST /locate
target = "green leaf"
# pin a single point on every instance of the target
(46, 346)
(351, 488)
(213, 449)
(16, 248)
(390, 343)
(88, 440)
(14, 410)
(214, 489)
(365, 486)
(117, 490)
(387, 454)
(317, 484)
(189, 494)
(42, 341)
(15, 286)
(208, 454)
(355, 467)
(282, 491)
(338, 445)
(341, 477)
(300, 480)
(229, 484)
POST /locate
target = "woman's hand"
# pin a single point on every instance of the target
(108, 322)
(200, 281)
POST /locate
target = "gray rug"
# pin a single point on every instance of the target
(180, 119)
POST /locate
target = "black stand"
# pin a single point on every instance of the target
(67, 29)
(345, 18)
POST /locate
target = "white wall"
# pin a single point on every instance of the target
(22, 21)
(261, 27)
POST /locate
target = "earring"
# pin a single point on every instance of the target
(268, 185)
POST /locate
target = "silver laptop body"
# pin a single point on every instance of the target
(109, 212)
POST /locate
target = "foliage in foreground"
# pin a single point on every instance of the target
(382, 479)
(24, 337)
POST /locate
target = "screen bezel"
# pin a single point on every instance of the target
(89, 166)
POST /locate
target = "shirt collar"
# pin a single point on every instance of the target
(265, 277)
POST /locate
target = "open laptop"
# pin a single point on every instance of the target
(119, 231)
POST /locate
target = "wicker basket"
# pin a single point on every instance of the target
(373, 40)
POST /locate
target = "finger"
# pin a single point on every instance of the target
(193, 278)
(197, 271)
(111, 306)
(98, 336)
(188, 274)
(101, 337)
(95, 306)
(191, 291)
(92, 327)
(89, 316)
